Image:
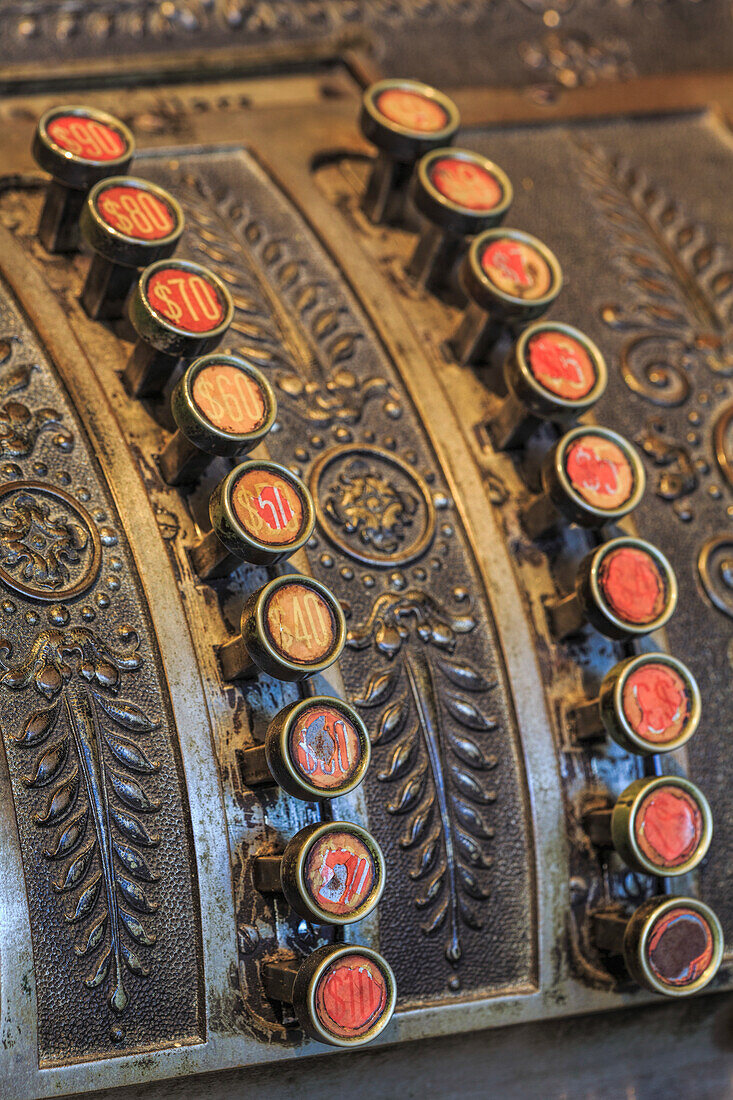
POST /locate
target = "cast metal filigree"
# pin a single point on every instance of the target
(438, 756)
(86, 779)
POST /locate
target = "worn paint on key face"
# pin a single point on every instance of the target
(325, 747)
(300, 624)
(340, 873)
(517, 269)
(561, 365)
(668, 826)
(466, 184)
(411, 110)
(268, 507)
(136, 212)
(86, 138)
(680, 947)
(656, 702)
(351, 996)
(186, 298)
(230, 399)
(599, 471)
(633, 585)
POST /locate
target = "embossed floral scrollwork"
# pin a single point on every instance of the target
(87, 778)
(438, 756)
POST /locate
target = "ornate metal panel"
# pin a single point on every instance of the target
(89, 740)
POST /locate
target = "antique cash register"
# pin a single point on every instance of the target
(366, 548)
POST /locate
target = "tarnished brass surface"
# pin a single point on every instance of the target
(132, 935)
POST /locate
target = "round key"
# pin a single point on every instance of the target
(660, 826)
(590, 477)
(260, 513)
(332, 873)
(404, 119)
(554, 373)
(670, 945)
(510, 278)
(223, 406)
(317, 748)
(179, 310)
(292, 628)
(343, 994)
(128, 223)
(77, 146)
(647, 704)
(460, 193)
(625, 589)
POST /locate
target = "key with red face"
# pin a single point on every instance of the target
(459, 194)
(343, 995)
(291, 628)
(648, 704)
(625, 589)
(317, 748)
(592, 476)
(670, 945)
(260, 513)
(77, 146)
(332, 873)
(404, 119)
(554, 373)
(179, 310)
(128, 223)
(222, 405)
(659, 826)
(510, 278)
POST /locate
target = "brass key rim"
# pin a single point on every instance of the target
(279, 755)
(614, 715)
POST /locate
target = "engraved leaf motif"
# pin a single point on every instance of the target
(469, 786)
(76, 870)
(49, 765)
(379, 687)
(135, 929)
(130, 754)
(391, 723)
(135, 896)
(133, 829)
(471, 820)
(92, 937)
(85, 902)
(38, 727)
(470, 850)
(133, 862)
(100, 972)
(463, 675)
(467, 713)
(61, 801)
(408, 795)
(470, 753)
(471, 884)
(125, 714)
(426, 856)
(416, 826)
(398, 762)
(134, 963)
(69, 837)
(130, 792)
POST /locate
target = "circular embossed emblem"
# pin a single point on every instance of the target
(466, 183)
(680, 947)
(229, 398)
(49, 546)
(668, 826)
(325, 747)
(517, 269)
(657, 702)
(633, 585)
(187, 299)
(372, 505)
(350, 996)
(87, 138)
(561, 365)
(412, 111)
(339, 872)
(300, 624)
(268, 506)
(599, 471)
(136, 212)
